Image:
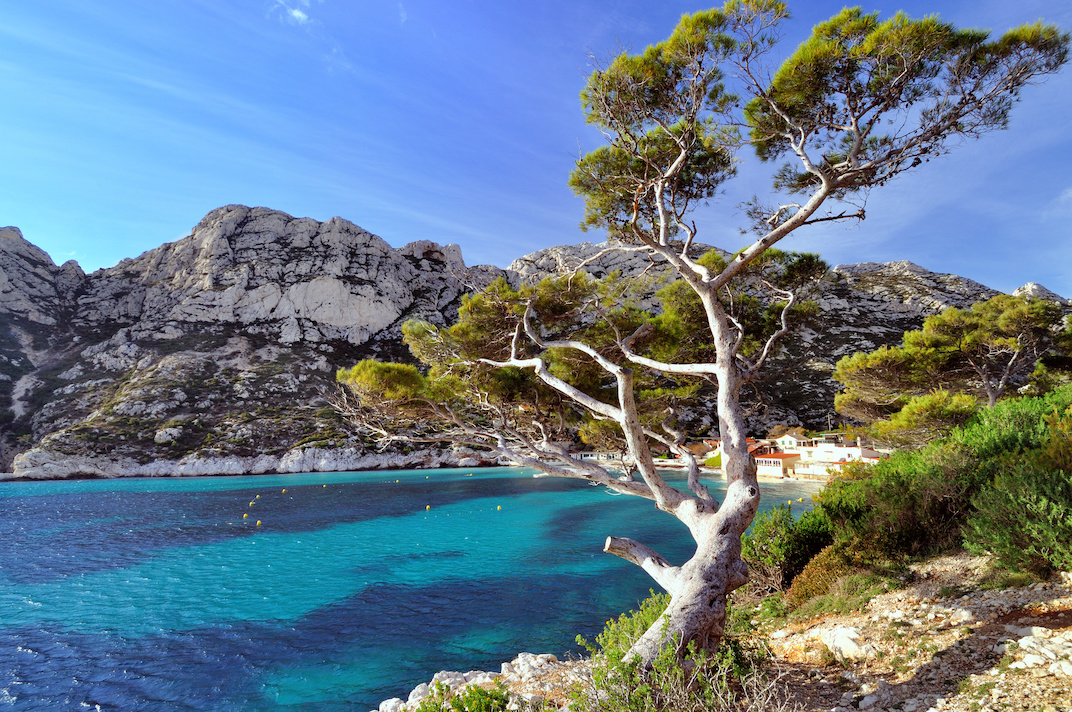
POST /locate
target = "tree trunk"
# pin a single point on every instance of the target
(699, 589)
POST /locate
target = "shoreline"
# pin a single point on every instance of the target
(318, 460)
(534, 678)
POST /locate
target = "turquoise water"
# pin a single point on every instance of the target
(156, 594)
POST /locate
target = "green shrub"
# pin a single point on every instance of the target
(925, 417)
(765, 544)
(918, 502)
(730, 679)
(468, 699)
(841, 577)
(821, 573)
(620, 634)
(810, 534)
(848, 593)
(998, 579)
(1025, 518)
(777, 546)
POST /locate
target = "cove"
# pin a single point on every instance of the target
(166, 594)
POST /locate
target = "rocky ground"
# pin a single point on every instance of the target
(944, 643)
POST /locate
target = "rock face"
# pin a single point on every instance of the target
(210, 354)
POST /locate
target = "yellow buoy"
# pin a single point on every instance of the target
(801, 499)
(284, 490)
(258, 496)
(325, 486)
(499, 507)
(245, 516)
(251, 504)
(258, 522)
(427, 506)
(790, 503)
(397, 481)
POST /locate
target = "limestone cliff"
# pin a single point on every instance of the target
(210, 354)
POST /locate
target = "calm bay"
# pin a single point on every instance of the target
(325, 591)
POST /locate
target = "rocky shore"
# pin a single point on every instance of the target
(946, 642)
(532, 680)
(45, 464)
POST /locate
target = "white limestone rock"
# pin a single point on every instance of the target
(167, 435)
(394, 704)
(847, 644)
(418, 693)
(1033, 290)
(48, 461)
(31, 285)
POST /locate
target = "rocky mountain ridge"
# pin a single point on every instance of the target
(211, 354)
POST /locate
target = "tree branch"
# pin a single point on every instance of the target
(661, 570)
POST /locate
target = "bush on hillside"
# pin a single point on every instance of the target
(1025, 518)
(777, 547)
(924, 418)
(846, 575)
(918, 502)
(821, 573)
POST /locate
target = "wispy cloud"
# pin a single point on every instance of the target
(1060, 206)
(297, 13)
(402, 14)
(293, 11)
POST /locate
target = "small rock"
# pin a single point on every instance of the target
(450, 679)
(167, 435)
(394, 704)
(962, 615)
(847, 644)
(419, 692)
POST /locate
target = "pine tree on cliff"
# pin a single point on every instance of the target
(525, 370)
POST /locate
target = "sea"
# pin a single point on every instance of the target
(307, 592)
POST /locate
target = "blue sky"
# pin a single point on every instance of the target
(124, 123)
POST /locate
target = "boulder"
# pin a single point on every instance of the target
(847, 644)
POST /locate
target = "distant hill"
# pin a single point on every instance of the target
(210, 354)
